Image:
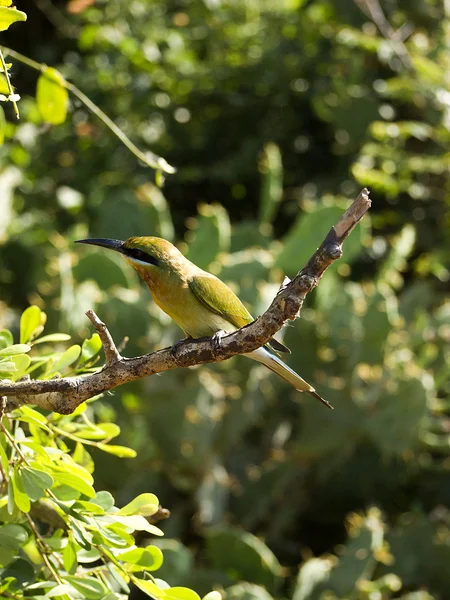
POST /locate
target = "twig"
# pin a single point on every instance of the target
(65, 394)
(2, 407)
(123, 343)
(373, 10)
(148, 158)
(9, 85)
(112, 355)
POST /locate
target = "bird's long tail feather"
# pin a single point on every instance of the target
(276, 365)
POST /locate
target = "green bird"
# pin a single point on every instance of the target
(200, 303)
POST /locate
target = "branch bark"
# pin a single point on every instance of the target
(65, 394)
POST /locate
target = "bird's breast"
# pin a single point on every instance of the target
(177, 300)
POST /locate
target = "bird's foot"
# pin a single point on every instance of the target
(217, 340)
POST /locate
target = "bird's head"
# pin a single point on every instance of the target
(150, 256)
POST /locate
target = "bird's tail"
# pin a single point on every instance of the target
(276, 365)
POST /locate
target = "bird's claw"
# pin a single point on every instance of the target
(217, 340)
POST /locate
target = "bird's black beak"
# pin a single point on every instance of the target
(105, 243)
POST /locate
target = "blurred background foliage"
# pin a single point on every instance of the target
(275, 115)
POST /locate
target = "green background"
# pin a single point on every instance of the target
(275, 114)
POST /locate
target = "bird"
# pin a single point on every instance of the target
(199, 302)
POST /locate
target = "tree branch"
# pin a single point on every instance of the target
(65, 394)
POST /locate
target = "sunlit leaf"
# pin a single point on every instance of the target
(139, 523)
(8, 16)
(22, 362)
(100, 431)
(150, 588)
(149, 558)
(75, 482)
(2, 126)
(70, 557)
(52, 337)
(66, 359)
(104, 499)
(144, 504)
(35, 482)
(120, 451)
(181, 593)
(90, 348)
(30, 415)
(91, 588)
(6, 338)
(15, 349)
(52, 96)
(21, 498)
(30, 321)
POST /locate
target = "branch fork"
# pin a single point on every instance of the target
(65, 394)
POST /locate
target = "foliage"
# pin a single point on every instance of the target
(59, 538)
(266, 109)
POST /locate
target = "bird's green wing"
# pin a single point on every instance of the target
(217, 296)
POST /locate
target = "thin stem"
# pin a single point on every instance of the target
(43, 549)
(148, 158)
(8, 83)
(76, 438)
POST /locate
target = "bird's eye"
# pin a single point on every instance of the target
(142, 256)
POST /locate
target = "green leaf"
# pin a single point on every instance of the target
(149, 558)
(37, 448)
(121, 451)
(99, 432)
(90, 348)
(181, 593)
(30, 321)
(8, 16)
(13, 536)
(210, 235)
(248, 557)
(15, 349)
(35, 482)
(2, 126)
(139, 523)
(70, 557)
(22, 362)
(149, 588)
(30, 415)
(75, 482)
(91, 588)
(104, 499)
(88, 507)
(4, 458)
(7, 366)
(52, 96)
(116, 535)
(82, 537)
(271, 169)
(144, 504)
(11, 503)
(66, 359)
(21, 499)
(52, 337)
(69, 511)
(6, 338)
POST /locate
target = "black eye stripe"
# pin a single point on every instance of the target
(141, 255)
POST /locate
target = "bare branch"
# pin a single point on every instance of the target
(112, 355)
(373, 10)
(65, 394)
